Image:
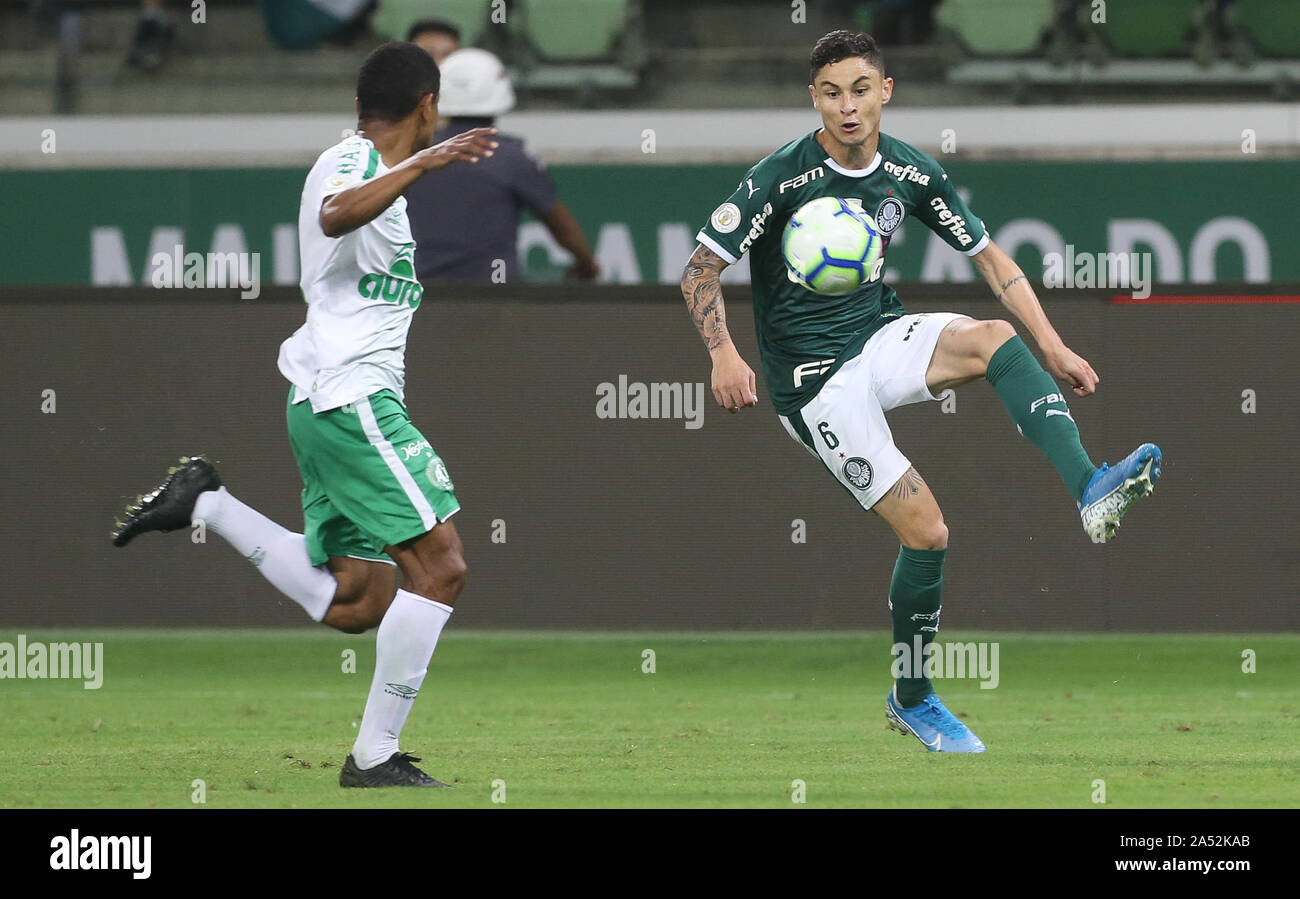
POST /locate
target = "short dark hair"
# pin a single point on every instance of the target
(841, 45)
(437, 26)
(393, 80)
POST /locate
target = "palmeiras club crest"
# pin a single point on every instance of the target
(889, 215)
(857, 471)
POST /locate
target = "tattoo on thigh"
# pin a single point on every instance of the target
(908, 485)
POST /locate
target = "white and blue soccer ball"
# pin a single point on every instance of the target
(831, 246)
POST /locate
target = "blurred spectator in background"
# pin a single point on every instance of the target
(466, 223)
(306, 24)
(900, 22)
(438, 38)
(153, 36)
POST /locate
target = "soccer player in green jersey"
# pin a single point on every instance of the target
(376, 496)
(835, 365)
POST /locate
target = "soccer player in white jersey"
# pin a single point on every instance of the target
(376, 497)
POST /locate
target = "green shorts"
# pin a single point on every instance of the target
(370, 479)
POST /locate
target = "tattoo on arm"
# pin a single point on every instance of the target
(703, 293)
(909, 484)
(1002, 291)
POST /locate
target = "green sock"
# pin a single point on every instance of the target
(1037, 406)
(914, 603)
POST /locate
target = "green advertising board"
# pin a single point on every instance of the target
(1198, 221)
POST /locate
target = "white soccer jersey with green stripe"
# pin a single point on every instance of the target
(360, 290)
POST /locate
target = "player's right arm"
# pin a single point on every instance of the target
(349, 209)
(734, 385)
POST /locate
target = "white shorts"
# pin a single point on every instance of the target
(845, 421)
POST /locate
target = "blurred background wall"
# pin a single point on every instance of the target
(576, 520)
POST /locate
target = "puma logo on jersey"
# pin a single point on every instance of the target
(752, 189)
(811, 370)
(801, 180)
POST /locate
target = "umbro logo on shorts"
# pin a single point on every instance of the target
(857, 471)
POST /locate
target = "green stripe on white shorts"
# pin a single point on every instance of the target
(370, 479)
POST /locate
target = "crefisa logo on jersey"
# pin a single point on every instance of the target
(906, 173)
(952, 221)
(857, 471)
(757, 225)
(889, 215)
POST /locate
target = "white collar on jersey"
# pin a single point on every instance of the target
(855, 173)
(852, 173)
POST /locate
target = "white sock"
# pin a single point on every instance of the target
(403, 646)
(280, 554)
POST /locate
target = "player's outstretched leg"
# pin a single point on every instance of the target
(434, 573)
(193, 492)
(170, 505)
(968, 349)
(1037, 405)
(912, 706)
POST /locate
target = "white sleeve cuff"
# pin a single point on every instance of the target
(718, 248)
(980, 245)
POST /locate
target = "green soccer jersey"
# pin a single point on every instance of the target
(804, 337)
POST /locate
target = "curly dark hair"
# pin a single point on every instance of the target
(840, 45)
(393, 80)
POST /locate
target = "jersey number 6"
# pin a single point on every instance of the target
(824, 428)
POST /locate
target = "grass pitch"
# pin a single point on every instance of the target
(265, 718)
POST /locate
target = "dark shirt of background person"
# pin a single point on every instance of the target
(464, 221)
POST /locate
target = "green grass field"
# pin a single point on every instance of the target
(265, 718)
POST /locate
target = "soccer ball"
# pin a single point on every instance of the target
(831, 246)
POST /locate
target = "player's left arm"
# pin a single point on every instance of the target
(1015, 292)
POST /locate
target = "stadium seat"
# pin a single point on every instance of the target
(303, 25)
(1273, 26)
(1151, 28)
(394, 17)
(996, 27)
(548, 26)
